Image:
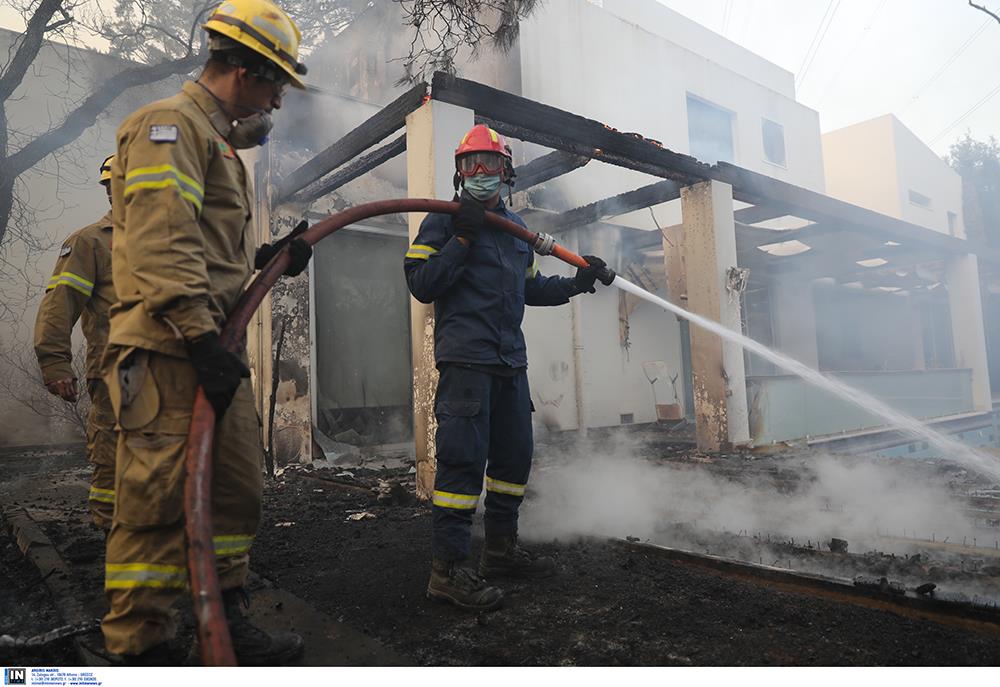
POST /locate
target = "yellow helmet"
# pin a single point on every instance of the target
(106, 170)
(263, 27)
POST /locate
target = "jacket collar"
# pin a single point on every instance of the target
(106, 222)
(207, 103)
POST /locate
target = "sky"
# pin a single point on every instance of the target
(932, 63)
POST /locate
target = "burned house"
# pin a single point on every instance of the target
(779, 245)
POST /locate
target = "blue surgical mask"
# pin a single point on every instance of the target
(482, 187)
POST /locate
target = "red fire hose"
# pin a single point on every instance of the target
(213, 632)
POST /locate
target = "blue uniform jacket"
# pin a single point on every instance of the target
(479, 292)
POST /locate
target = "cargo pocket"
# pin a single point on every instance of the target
(150, 481)
(132, 389)
(460, 436)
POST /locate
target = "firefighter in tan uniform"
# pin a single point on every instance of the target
(183, 252)
(81, 288)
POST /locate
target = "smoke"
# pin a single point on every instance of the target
(619, 493)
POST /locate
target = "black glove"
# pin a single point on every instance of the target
(218, 370)
(264, 255)
(470, 218)
(586, 276)
(299, 251)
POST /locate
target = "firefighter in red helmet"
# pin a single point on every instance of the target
(479, 281)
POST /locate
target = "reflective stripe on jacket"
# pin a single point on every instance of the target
(479, 292)
(80, 289)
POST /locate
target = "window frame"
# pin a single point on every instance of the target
(784, 147)
(732, 126)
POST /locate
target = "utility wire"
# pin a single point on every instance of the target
(958, 53)
(726, 15)
(818, 41)
(968, 113)
(850, 53)
(748, 5)
(812, 43)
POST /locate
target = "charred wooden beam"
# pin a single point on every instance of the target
(550, 141)
(352, 171)
(386, 121)
(647, 196)
(571, 132)
(549, 126)
(759, 189)
(548, 167)
(760, 213)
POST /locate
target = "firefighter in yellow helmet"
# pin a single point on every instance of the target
(81, 288)
(183, 252)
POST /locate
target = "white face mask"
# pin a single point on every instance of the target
(251, 131)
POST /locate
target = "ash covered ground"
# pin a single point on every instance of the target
(353, 543)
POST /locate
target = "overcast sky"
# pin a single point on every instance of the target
(931, 62)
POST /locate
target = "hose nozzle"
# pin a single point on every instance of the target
(606, 275)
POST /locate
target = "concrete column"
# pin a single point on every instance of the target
(794, 319)
(967, 330)
(720, 392)
(917, 334)
(432, 134)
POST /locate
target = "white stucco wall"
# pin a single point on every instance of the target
(920, 169)
(860, 165)
(876, 163)
(582, 58)
(631, 65)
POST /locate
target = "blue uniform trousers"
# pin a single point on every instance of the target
(484, 424)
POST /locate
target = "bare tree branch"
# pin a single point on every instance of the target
(86, 114)
(442, 27)
(983, 9)
(27, 50)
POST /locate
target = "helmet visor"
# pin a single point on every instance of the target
(480, 163)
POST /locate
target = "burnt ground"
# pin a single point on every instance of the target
(608, 606)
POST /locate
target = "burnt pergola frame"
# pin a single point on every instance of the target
(576, 140)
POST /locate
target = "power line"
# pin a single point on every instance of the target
(726, 15)
(750, 14)
(818, 41)
(968, 113)
(958, 53)
(850, 53)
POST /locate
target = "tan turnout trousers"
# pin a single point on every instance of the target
(146, 560)
(101, 445)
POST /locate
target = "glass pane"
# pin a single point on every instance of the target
(710, 131)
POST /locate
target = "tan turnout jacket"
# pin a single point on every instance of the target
(80, 287)
(183, 245)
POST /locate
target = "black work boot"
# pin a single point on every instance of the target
(462, 586)
(504, 557)
(251, 645)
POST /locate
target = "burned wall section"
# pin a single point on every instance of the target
(290, 310)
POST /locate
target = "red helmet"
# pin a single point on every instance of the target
(482, 139)
(484, 151)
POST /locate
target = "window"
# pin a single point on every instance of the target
(774, 141)
(952, 222)
(920, 199)
(710, 131)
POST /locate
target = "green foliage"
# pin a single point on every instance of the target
(978, 163)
